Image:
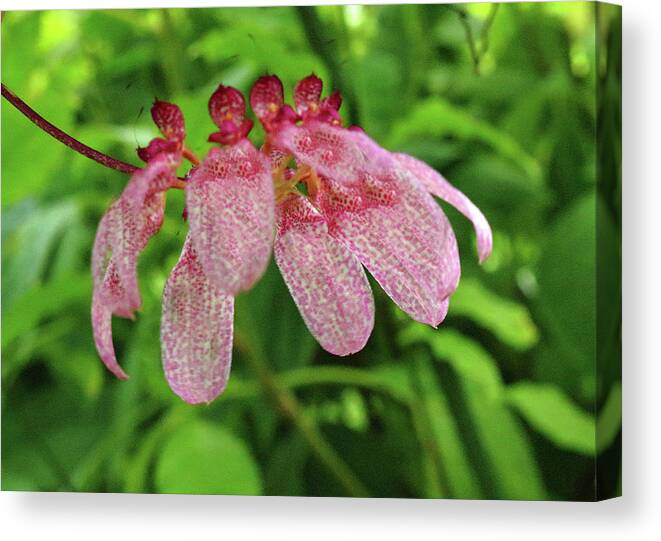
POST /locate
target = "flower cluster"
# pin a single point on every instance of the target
(327, 199)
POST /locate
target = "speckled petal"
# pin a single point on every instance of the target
(392, 225)
(196, 331)
(434, 183)
(169, 119)
(333, 151)
(122, 234)
(403, 238)
(230, 204)
(157, 176)
(266, 98)
(307, 93)
(227, 103)
(102, 330)
(326, 281)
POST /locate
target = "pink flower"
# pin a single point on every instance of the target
(365, 206)
(229, 199)
(229, 202)
(361, 207)
(126, 228)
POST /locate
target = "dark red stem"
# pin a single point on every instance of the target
(58, 134)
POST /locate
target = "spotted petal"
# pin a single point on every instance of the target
(102, 330)
(229, 200)
(307, 93)
(169, 119)
(401, 235)
(157, 176)
(196, 331)
(435, 184)
(332, 151)
(122, 234)
(326, 281)
(394, 228)
(266, 99)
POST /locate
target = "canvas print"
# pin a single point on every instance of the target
(353, 250)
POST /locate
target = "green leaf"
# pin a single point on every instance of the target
(465, 356)
(505, 450)
(457, 470)
(567, 298)
(609, 420)
(551, 413)
(437, 117)
(285, 474)
(26, 253)
(37, 303)
(506, 459)
(138, 467)
(508, 320)
(202, 458)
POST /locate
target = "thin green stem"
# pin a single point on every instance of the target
(290, 408)
(486, 27)
(320, 375)
(472, 48)
(476, 51)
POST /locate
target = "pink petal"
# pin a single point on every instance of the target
(401, 235)
(227, 104)
(122, 234)
(326, 281)
(394, 228)
(334, 101)
(169, 119)
(157, 176)
(333, 151)
(196, 331)
(444, 310)
(266, 98)
(307, 93)
(230, 204)
(102, 330)
(434, 183)
(157, 146)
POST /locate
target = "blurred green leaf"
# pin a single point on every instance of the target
(37, 303)
(506, 452)
(549, 411)
(508, 320)
(203, 458)
(567, 294)
(454, 463)
(284, 469)
(31, 246)
(437, 117)
(465, 356)
(609, 420)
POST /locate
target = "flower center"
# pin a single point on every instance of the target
(285, 179)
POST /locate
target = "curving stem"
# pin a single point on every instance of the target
(63, 137)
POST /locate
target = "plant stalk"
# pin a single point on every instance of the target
(65, 138)
(290, 407)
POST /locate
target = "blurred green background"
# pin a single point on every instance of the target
(514, 396)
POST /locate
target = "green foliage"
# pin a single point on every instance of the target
(549, 411)
(205, 459)
(502, 401)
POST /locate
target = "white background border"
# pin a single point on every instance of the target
(637, 514)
